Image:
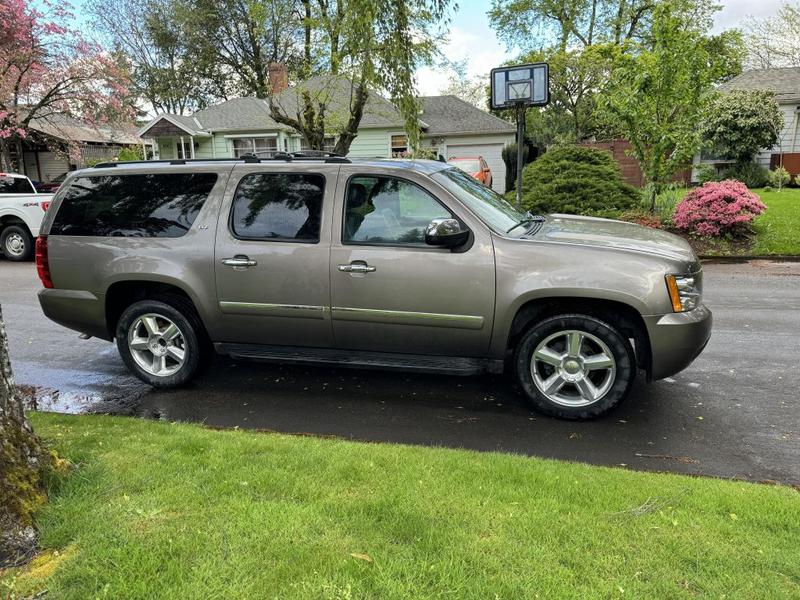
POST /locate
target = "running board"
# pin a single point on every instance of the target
(359, 359)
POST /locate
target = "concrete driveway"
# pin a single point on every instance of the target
(734, 413)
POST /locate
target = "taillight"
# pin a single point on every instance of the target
(44, 205)
(42, 261)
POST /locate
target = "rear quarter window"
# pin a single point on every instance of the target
(15, 185)
(148, 205)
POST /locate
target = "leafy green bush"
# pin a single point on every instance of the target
(751, 174)
(706, 173)
(577, 180)
(779, 178)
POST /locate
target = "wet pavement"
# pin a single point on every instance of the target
(733, 413)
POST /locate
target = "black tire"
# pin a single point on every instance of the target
(195, 342)
(17, 243)
(617, 381)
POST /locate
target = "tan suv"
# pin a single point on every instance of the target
(366, 263)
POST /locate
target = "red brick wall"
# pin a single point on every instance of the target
(628, 165)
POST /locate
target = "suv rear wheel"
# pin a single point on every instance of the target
(17, 243)
(574, 366)
(161, 341)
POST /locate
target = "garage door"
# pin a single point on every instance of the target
(491, 153)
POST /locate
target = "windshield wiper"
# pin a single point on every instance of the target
(529, 218)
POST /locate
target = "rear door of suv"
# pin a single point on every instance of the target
(272, 254)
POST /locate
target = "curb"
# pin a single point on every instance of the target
(746, 258)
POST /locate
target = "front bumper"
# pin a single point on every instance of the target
(676, 339)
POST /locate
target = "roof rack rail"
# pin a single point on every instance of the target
(328, 157)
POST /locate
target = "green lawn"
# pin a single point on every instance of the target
(158, 510)
(778, 229)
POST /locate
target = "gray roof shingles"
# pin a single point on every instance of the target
(451, 115)
(784, 82)
(440, 115)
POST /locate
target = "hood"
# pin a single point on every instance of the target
(607, 233)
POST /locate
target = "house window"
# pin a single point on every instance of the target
(328, 144)
(260, 146)
(183, 148)
(399, 146)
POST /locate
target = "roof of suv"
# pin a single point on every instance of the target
(419, 165)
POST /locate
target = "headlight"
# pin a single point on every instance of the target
(684, 292)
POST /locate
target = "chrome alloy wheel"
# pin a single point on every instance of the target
(573, 368)
(15, 244)
(157, 345)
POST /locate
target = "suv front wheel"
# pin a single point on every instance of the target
(574, 366)
(161, 341)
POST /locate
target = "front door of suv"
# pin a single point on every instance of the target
(389, 290)
(272, 254)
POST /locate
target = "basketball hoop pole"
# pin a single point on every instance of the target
(520, 142)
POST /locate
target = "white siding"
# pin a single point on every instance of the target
(370, 143)
(790, 135)
(51, 165)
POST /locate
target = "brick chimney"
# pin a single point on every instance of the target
(278, 77)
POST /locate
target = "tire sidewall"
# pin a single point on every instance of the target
(190, 336)
(618, 345)
(28, 239)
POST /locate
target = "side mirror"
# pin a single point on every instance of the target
(446, 233)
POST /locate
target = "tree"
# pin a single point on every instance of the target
(657, 93)
(22, 461)
(166, 71)
(243, 37)
(775, 41)
(353, 47)
(47, 68)
(565, 24)
(739, 123)
(473, 90)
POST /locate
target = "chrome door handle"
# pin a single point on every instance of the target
(239, 261)
(357, 268)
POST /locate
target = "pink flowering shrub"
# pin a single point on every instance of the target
(718, 208)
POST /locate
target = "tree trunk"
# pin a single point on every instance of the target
(22, 460)
(5, 155)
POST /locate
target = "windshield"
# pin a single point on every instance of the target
(469, 165)
(489, 206)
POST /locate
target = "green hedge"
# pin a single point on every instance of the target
(577, 180)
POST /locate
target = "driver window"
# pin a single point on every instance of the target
(386, 210)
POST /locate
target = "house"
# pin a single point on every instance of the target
(46, 151)
(449, 127)
(785, 84)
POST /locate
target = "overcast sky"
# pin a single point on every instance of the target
(473, 40)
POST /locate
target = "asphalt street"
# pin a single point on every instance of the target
(734, 413)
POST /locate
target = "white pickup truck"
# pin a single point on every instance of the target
(21, 213)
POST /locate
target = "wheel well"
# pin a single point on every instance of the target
(7, 220)
(623, 316)
(122, 294)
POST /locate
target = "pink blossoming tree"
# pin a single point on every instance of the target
(718, 208)
(49, 69)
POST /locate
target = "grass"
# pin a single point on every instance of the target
(158, 510)
(778, 229)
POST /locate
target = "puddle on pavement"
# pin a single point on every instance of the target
(52, 400)
(73, 402)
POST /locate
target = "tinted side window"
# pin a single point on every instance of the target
(15, 185)
(152, 205)
(385, 210)
(278, 206)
